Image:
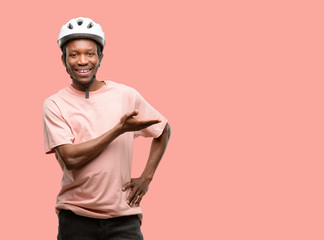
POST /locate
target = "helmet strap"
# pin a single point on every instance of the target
(86, 85)
(87, 92)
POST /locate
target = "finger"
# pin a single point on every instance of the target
(132, 114)
(130, 198)
(129, 115)
(134, 199)
(145, 126)
(138, 200)
(149, 122)
(127, 186)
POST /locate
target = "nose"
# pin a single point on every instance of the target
(83, 60)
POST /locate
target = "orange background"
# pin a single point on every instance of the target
(241, 83)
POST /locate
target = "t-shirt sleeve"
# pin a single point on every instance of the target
(55, 129)
(147, 112)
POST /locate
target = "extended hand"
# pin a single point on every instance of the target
(129, 123)
(139, 187)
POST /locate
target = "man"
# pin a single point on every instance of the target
(90, 126)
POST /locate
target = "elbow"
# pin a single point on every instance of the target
(69, 166)
(68, 162)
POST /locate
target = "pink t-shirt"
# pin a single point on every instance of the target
(95, 189)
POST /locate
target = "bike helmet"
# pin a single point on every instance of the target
(81, 28)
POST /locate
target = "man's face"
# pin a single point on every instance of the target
(82, 60)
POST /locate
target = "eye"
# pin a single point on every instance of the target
(91, 54)
(73, 55)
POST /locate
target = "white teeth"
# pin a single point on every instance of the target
(83, 71)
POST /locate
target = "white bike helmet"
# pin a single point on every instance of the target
(81, 28)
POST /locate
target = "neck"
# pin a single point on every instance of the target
(95, 85)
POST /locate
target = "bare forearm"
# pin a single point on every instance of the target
(75, 155)
(158, 147)
(139, 186)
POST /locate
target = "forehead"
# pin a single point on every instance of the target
(81, 44)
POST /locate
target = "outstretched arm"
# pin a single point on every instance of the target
(76, 155)
(139, 186)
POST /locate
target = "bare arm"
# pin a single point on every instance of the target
(139, 186)
(76, 155)
(158, 147)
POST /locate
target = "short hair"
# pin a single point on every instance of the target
(99, 49)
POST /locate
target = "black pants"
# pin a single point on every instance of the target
(75, 227)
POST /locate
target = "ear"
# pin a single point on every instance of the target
(100, 58)
(63, 61)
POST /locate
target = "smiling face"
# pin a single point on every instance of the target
(82, 61)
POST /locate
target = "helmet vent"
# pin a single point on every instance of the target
(90, 25)
(70, 26)
(80, 22)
